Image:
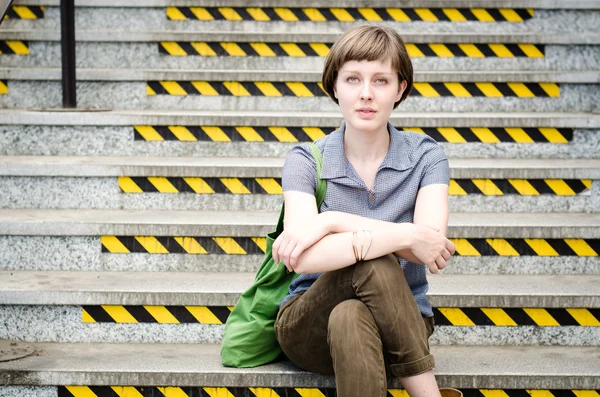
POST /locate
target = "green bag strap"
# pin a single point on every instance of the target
(321, 186)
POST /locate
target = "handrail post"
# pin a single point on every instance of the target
(67, 39)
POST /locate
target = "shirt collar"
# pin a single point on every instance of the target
(335, 164)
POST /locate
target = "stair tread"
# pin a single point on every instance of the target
(195, 288)
(111, 166)
(548, 367)
(92, 222)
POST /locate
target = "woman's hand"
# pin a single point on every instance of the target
(431, 247)
(292, 242)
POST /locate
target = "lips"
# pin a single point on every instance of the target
(366, 110)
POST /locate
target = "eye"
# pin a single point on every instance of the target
(351, 78)
(384, 80)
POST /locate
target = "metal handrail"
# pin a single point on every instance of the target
(67, 41)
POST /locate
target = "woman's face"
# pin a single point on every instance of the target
(366, 92)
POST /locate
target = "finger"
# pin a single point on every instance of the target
(432, 267)
(440, 263)
(275, 247)
(281, 250)
(446, 255)
(450, 247)
(295, 255)
(288, 252)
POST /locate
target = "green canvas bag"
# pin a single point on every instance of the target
(249, 338)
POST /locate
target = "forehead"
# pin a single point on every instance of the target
(378, 66)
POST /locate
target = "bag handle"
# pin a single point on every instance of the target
(321, 186)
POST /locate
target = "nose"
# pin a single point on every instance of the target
(365, 93)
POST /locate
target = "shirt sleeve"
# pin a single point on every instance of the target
(437, 168)
(299, 171)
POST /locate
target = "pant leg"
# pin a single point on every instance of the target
(356, 350)
(302, 322)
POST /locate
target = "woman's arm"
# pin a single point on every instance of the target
(431, 209)
(307, 247)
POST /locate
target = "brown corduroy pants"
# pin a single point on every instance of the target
(360, 323)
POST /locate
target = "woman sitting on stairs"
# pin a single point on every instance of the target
(358, 310)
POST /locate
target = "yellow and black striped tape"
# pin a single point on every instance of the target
(257, 245)
(195, 391)
(156, 314)
(311, 134)
(14, 47)
(443, 316)
(3, 87)
(350, 14)
(306, 89)
(25, 12)
(184, 245)
(262, 49)
(458, 187)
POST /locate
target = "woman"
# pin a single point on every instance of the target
(358, 310)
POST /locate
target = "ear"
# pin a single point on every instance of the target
(335, 91)
(401, 90)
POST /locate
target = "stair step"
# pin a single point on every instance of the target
(96, 166)
(487, 367)
(140, 94)
(209, 35)
(105, 75)
(48, 222)
(128, 117)
(149, 54)
(223, 289)
(542, 4)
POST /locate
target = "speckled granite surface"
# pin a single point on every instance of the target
(84, 253)
(63, 324)
(155, 19)
(140, 55)
(97, 193)
(16, 140)
(132, 95)
(28, 391)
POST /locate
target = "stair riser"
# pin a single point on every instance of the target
(28, 391)
(105, 193)
(85, 254)
(132, 95)
(48, 324)
(147, 56)
(119, 141)
(156, 19)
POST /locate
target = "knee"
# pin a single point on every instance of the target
(350, 320)
(381, 269)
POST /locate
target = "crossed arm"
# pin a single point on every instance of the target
(313, 242)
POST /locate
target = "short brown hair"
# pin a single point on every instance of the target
(368, 43)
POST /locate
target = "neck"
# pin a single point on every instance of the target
(366, 146)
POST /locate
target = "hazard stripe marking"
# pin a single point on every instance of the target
(183, 245)
(311, 134)
(189, 391)
(128, 314)
(458, 187)
(443, 316)
(264, 49)
(306, 89)
(3, 87)
(14, 47)
(25, 12)
(349, 14)
(256, 245)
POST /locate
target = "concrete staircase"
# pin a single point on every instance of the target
(128, 231)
